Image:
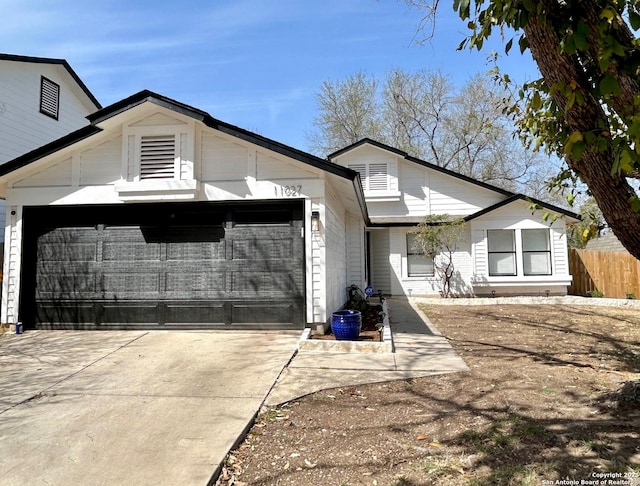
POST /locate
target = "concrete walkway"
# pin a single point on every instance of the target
(420, 350)
(119, 408)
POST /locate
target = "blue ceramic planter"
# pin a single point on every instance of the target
(346, 325)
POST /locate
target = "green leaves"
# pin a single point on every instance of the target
(575, 146)
(462, 7)
(609, 86)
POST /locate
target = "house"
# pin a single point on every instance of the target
(606, 242)
(41, 100)
(157, 215)
(507, 249)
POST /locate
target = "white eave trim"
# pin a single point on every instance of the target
(382, 196)
(158, 190)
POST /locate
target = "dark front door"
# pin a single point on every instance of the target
(178, 265)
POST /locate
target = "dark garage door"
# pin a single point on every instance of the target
(179, 265)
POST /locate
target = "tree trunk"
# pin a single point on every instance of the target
(611, 192)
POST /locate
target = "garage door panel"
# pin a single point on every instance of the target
(130, 284)
(194, 251)
(121, 314)
(263, 249)
(65, 315)
(177, 265)
(262, 313)
(265, 283)
(130, 251)
(213, 313)
(194, 282)
(67, 286)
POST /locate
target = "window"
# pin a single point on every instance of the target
(536, 252)
(418, 264)
(502, 252)
(157, 156)
(49, 97)
(375, 177)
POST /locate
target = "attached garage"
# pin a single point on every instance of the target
(158, 216)
(173, 265)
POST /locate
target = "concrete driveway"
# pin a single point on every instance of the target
(136, 407)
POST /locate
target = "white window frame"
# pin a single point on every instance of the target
(546, 251)
(503, 251)
(519, 254)
(410, 252)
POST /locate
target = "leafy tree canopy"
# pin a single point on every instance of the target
(586, 105)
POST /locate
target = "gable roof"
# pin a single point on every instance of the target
(531, 200)
(146, 96)
(408, 221)
(424, 163)
(60, 62)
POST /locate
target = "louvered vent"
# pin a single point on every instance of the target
(378, 180)
(49, 97)
(157, 156)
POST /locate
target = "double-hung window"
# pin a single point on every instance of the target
(418, 264)
(536, 252)
(502, 252)
(525, 252)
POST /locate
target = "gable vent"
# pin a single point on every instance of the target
(378, 180)
(157, 156)
(49, 97)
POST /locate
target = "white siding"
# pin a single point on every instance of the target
(11, 269)
(417, 286)
(449, 195)
(336, 254)
(101, 165)
(271, 168)
(480, 252)
(318, 264)
(518, 216)
(57, 175)
(414, 181)
(222, 160)
(380, 268)
(559, 251)
(422, 190)
(355, 251)
(22, 126)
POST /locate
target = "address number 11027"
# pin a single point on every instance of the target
(288, 191)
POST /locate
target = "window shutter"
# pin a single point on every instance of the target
(157, 156)
(49, 97)
(362, 169)
(378, 177)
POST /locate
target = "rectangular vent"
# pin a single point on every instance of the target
(157, 156)
(49, 97)
(378, 180)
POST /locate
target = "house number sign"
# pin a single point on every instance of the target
(288, 191)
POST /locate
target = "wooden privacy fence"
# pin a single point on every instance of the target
(614, 273)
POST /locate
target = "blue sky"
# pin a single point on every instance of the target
(255, 63)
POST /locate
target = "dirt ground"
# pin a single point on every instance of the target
(553, 394)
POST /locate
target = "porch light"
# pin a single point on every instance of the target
(315, 221)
